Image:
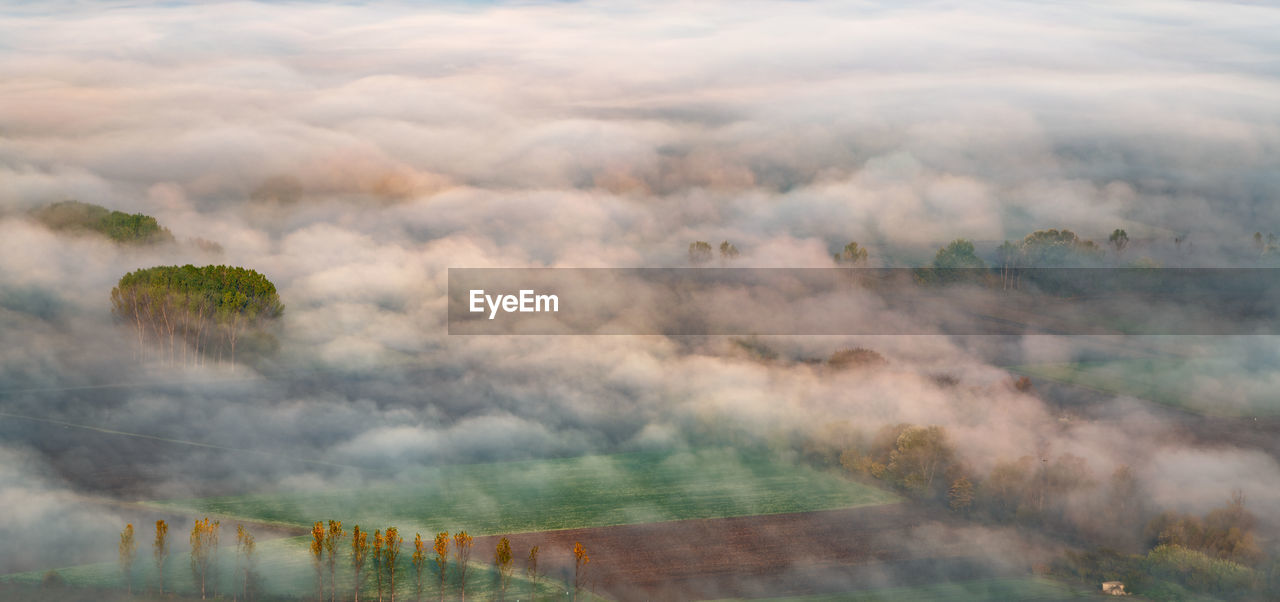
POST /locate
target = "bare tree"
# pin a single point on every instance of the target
(462, 545)
(531, 571)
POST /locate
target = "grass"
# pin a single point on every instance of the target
(1027, 588)
(1204, 386)
(541, 495)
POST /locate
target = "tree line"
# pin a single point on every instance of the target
(1215, 554)
(1042, 248)
(373, 562)
(189, 313)
(121, 227)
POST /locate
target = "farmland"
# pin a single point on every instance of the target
(549, 502)
(1029, 588)
(542, 495)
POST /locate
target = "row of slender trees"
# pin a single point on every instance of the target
(1042, 248)
(204, 542)
(372, 561)
(188, 313)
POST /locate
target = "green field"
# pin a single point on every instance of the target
(499, 498)
(1201, 385)
(1029, 588)
(540, 495)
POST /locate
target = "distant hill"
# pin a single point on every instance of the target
(75, 216)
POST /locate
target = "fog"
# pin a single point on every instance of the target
(354, 153)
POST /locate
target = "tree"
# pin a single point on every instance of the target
(378, 542)
(1059, 248)
(920, 455)
(317, 557)
(1009, 254)
(580, 560)
(462, 546)
(441, 548)
(1119, 239)
(331, 539)
(502, 559)
(390, 555)
(852, 255)
(128, 548)
(419, 559)
(160, 550)
(960, 495)
(699, 252)
(1257, 241)
(359, 553)
(245, 548)
(728, 252)
(204, 551)
(959, 253)
(531, 571)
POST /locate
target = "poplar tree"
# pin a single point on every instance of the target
(331, 539)
(390, 555)
(462, 544)
(317, 557)
(580, 560)
(441, 548)
(359, 553)
(419, 559)
(160, 549)
(245, 548)
(204, 550)
(531, 570)
(502, 559)
(128, 547)
(378, 541)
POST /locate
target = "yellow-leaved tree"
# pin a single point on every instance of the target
(128, 547)
(502, 559)
(441, 548)
(317, 556)
(359, 553)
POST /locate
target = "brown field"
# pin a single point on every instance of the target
(775, 555)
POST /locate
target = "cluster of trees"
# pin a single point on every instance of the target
(855, 357)
(701, 253)
(1225, 533)
(1057, 493)
(1042, 248)
(204, 557)
(373, 562)
(1213, 554)
(118, 226)
(190, 313)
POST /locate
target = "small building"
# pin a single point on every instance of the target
(1114, 588)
